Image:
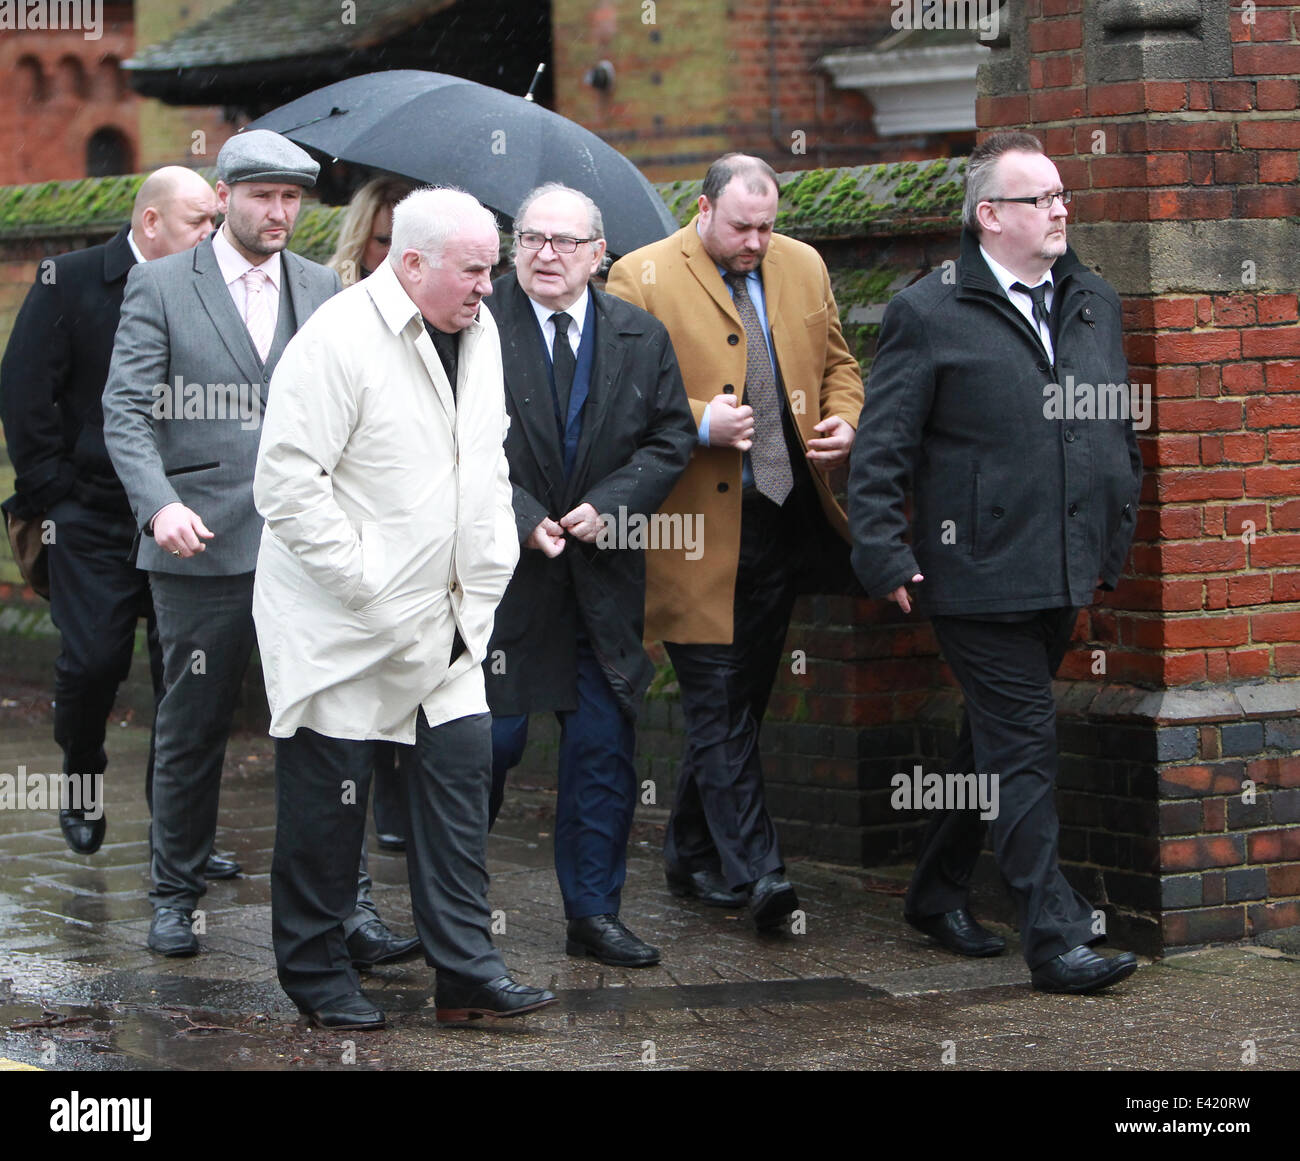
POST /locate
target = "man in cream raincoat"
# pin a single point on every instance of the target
(389, 540)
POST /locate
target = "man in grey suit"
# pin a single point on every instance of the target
(199, 338)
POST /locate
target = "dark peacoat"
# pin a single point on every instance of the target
(636, 439)
(52, 380)
(1018, 503)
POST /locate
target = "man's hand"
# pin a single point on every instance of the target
(833, 449)
(584, 523)
(548, 537)
(900, 594)
(731, 424)
(178, 529)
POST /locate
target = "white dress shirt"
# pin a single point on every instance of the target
(1021, 301)
(577, 312)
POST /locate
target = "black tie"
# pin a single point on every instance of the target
(564, 365)
(1039, 295)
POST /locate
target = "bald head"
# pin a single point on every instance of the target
(174, 210)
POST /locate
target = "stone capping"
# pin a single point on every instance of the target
(1277, 698)
(912, 90)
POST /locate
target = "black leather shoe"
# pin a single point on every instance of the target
(82, 834)
(172, 933)
(220, 867)
(372, 943)
(391, 842)
(604, 937)
(709, 887)
(958, 931)
(349, 1012)
(458, 1002)
(771, 900)
(1081, 970)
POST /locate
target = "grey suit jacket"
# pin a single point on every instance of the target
(184, 401)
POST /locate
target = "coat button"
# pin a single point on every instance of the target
(723, 486)
(1069, 436)
(1043, 365)
(728, 389)
(1073, 509)
(997, 513)
(1127, 509)
(732, 340)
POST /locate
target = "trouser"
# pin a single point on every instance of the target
(96, 597)
(597, 790)
(205, 624)
(319, 833)
(389, 793)
(1005, 669)
(391, 764)
(719, 820)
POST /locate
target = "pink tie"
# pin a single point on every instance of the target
(257, 310)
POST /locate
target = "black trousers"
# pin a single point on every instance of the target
(96, 597)
(719, 819)
(321, 789)
(1005, 669)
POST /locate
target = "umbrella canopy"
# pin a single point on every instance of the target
(443, 130)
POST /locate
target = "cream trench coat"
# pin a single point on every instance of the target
(388, 520)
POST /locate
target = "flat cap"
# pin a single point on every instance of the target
(260, 155)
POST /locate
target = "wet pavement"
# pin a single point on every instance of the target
(853, 988)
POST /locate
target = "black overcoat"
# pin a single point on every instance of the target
(52, 380)
(1016, 505)
(637, 437)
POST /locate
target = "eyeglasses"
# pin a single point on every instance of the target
(561, 243)
(1041, 201)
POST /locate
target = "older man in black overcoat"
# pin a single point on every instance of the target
(999, 394)
(600, 429)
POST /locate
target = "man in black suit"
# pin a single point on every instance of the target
(600, 430)
(1019, 506)
(51, 382)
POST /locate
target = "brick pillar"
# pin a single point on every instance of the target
(1178, 127)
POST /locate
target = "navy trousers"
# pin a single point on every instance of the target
(597, 790)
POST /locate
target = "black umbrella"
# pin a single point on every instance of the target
(440, 129)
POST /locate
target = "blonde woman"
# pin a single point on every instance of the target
(367, 230)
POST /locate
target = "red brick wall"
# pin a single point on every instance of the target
(49, 117)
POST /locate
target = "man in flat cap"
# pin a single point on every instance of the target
(200, 335)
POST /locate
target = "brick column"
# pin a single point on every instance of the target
(1178, 127)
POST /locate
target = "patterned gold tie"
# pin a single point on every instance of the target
(257, 310)
(769, 458)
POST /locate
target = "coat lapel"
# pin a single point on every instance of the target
(605, 371)
(706, 273)
(220, 307)
(525, 359)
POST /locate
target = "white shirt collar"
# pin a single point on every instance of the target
(1006, 278)
(576, 311)
(234, 265)
(130, 241)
